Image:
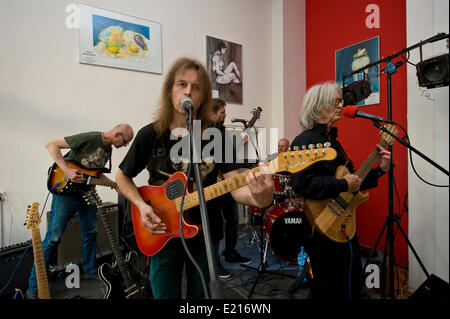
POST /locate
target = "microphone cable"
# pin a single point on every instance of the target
(183, 241)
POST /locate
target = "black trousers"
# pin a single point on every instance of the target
(331, 264)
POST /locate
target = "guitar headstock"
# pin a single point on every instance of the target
(33, 218)
(296, 160)
(386, 137)
(256, 112)
(92, 198)
(256, 115)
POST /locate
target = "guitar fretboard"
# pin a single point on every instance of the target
(113, 240)
(365, 168)
(221, 188)
(102, 182)
(41, 271)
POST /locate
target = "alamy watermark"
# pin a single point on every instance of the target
(234, 144)
(373, 276)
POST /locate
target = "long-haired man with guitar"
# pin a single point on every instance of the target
(89, 152)
(151, 150)
(328, 188)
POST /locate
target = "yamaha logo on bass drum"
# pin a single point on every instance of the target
(295, 220)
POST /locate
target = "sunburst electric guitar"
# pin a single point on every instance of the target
(166, 199)
(32, 223)
(335, 218)
(59, 183)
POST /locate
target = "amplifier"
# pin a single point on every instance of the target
(69, 249)
(9, 258)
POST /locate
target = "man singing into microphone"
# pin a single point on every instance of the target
(187, 78)
(331, 261)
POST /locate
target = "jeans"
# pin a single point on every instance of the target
(64, 207)
(166, 269)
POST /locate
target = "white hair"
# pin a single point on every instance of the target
(318, 98)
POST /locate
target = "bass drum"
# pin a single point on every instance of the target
(288, 229)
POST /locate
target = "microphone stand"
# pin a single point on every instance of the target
(215, 285)
(251, 140)
(261, 269)
(391, 218)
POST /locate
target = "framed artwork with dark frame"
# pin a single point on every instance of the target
(224, 63)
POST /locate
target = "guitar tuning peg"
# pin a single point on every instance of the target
(289, 149)
(319, 145)
(296, 148)
(310, 146)
(303, 147)
(327, 144)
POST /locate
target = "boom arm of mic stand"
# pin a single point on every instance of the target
(253, 143)
(381, 127)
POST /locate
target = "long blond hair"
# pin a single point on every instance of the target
(165, 112)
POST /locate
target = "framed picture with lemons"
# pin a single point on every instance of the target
(120, 41)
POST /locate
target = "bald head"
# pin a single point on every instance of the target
(283, 145)
(119, 136)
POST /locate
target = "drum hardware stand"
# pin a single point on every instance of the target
(249, 229)
(262, 263)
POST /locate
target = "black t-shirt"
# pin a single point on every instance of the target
(152, 152)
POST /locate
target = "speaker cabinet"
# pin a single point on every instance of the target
(433, 72)
(69, 249)
(9, 258)
(434, 288)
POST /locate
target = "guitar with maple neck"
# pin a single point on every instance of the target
(32, 223)
(335, 218)
(166, 199)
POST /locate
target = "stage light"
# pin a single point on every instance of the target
(355, 92)
(433, 72)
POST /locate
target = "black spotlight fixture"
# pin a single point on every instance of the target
(433, 72)
(355, 92)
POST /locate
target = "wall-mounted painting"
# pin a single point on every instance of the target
(355, 57)
(116, 40)
(224, 62)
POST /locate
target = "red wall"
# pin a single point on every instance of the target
(333, 25)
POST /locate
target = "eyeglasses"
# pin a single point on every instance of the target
(338, 101)
(125, 143)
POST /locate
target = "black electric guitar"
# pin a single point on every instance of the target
(121, 279)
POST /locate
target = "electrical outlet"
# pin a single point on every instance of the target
(2, 196)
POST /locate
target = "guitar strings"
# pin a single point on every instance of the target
(190, 198)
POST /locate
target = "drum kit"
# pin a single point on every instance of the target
(284, 225)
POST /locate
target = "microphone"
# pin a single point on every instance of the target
(352, 112)
(187, 104)
(233, 120)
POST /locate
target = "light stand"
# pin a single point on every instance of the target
(391, 218)
(215, 284)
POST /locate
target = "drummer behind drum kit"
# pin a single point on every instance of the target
(285, 224)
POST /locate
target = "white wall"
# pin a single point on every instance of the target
(294, 64)
(428, 127)
(45, 93)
